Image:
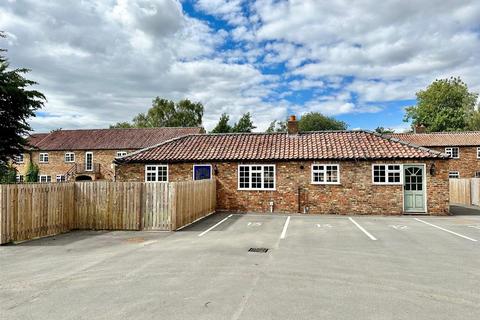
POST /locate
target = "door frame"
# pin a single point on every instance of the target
(86, 154)
(424, 167)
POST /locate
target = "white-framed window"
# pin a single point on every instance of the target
(60, 178)
(20, 178)
(478, 152)
(256, 177)
(45, 179)
(387, 174)
(19, 158)
(156, 173)
(325, 174)
(69, 157)
(477, 174)
(121, 153)
(43, 157)
(454, 175)
(453, 152)
(202, 171)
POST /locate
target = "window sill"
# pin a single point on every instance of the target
(256, 189)
(326, 183)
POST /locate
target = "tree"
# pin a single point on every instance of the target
(245, 124)
(17, 105)
(8, 174)
(277, 126)
(383, 130)
(315, 121)
(32, 172)
(446, 105)
(166, 113)
(222, 125)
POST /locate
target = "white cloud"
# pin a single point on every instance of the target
(101, 62)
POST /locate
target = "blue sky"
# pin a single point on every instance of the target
(103, 62)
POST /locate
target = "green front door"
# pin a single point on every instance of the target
(414, 188)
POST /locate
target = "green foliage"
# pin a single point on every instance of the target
(446, 105)
(245, 124)
(222, 125)
(8, 174)
(17, 105)
(277, 126)
(121, 125)
(383, 130)
(166, 113)
(32, 172)
(315, 121)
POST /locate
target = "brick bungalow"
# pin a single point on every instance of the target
(338, 172)
(88, 154)
(463, 147)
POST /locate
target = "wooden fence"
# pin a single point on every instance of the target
(36, 210)
(29, 211)
(465, 191)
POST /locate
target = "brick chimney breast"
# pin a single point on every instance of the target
(292, 125)
(419, 129)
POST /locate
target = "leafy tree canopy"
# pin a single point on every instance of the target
(245, 124)
(17, 104)
(222, 125)
(446, 105)
(167, 113)
(383, 130)
(277, 126)
(315, 121)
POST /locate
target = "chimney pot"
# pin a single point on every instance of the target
(292, 125)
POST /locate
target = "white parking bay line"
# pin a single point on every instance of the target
(446, 230)
(285, 227)
(214, 226)
(363, 230)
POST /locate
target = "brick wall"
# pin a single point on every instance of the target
(467, 164)
(354, 195)
(57, 166)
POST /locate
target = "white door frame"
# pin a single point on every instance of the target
(86, 161)
(424, 166)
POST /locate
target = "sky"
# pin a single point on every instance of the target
(101, 62)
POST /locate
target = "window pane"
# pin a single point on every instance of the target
(244, 177)
(269, 177)
(379, 173)
(202, 172)
(332, 173)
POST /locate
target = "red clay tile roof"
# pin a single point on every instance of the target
(440, 139)
(280, 146)
(104, 139)
(35, 138)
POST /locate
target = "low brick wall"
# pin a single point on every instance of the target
(354, 195)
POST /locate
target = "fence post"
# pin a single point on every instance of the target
(172, 205)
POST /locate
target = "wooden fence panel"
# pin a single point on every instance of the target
(106, 205)
(191, 201)
(460, 192)
(155, 214)
(29, 211)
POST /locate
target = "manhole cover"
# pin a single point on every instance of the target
(258, 250)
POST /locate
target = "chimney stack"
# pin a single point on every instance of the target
(292, 125)
(419, 129)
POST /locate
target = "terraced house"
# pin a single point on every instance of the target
(342, 172)
(463, 147)
(72, 155)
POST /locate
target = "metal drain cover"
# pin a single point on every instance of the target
(258, 250)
